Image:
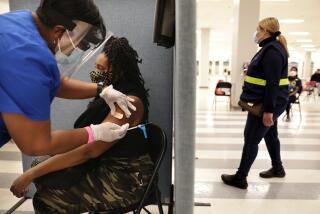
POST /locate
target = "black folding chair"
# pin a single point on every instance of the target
(299, 105)
(152, 195)
(225, 89)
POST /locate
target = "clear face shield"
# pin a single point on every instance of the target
(76, 47)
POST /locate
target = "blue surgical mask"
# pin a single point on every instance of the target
(63, 59)
(68, 63)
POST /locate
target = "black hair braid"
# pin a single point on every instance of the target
(124, 60)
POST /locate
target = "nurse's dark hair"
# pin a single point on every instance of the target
(123, 62)
(82, 10)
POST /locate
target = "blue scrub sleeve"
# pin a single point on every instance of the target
(26, 82)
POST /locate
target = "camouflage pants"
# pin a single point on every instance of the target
(116, 183)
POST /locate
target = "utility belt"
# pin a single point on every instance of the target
(254, 108)
(257, 108)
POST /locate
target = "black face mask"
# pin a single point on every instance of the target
(291, 78)
(97, 76)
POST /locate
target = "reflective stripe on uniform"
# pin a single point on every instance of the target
(262, 82)
(284, 81)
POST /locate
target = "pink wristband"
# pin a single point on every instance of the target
(90, 134)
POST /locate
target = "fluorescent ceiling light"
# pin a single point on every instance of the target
(310, 49)
(299, 33)
(303, 40)
(291, 21)
(307, 46)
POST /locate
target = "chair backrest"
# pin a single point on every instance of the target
(158, 145)
(309, 85)
(223, 85)
(223, 89)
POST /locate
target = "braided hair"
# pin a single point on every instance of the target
(124, 60)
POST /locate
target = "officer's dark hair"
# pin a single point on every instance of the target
(62, 12)
(123, 61)
(294, 68)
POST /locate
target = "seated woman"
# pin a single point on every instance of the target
(295, 87)
(121, 169)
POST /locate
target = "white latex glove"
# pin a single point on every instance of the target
(112, 96)
(109, 132)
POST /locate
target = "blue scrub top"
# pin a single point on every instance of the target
(29, 76)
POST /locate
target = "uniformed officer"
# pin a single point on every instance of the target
(32, 46)
(266, 82)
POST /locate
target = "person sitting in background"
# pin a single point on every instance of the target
(316, 77)
(295, 87)
(112, 175)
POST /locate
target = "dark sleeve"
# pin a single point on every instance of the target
(312, 77)
(272, 64)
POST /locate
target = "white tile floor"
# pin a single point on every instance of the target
(218, 147)
(298, 192)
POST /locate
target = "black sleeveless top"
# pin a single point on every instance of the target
(134, 142)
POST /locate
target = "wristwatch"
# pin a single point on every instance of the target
(99, 88)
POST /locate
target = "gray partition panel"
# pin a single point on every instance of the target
(134, 20)
(184, 105)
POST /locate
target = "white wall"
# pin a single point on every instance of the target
(4, 6)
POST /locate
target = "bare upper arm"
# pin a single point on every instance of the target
(97, 148)
(29, 135)
(135, 118)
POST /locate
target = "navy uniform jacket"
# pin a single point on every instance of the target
(266, 80)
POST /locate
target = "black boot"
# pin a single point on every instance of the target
(272, 173)
(233, 180)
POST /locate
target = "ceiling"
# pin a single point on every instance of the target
(218, 16)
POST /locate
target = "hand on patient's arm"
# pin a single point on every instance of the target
(109, 132)
(134, 120)
(112, 97)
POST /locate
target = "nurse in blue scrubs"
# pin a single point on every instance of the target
(38, 52)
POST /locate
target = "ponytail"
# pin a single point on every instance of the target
(282, 40)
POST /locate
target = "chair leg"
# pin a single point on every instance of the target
(147, 211)
(300, 111)
(158, 197)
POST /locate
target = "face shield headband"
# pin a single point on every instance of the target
(76, 47)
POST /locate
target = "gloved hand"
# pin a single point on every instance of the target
(112, 96)
(109, 132)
